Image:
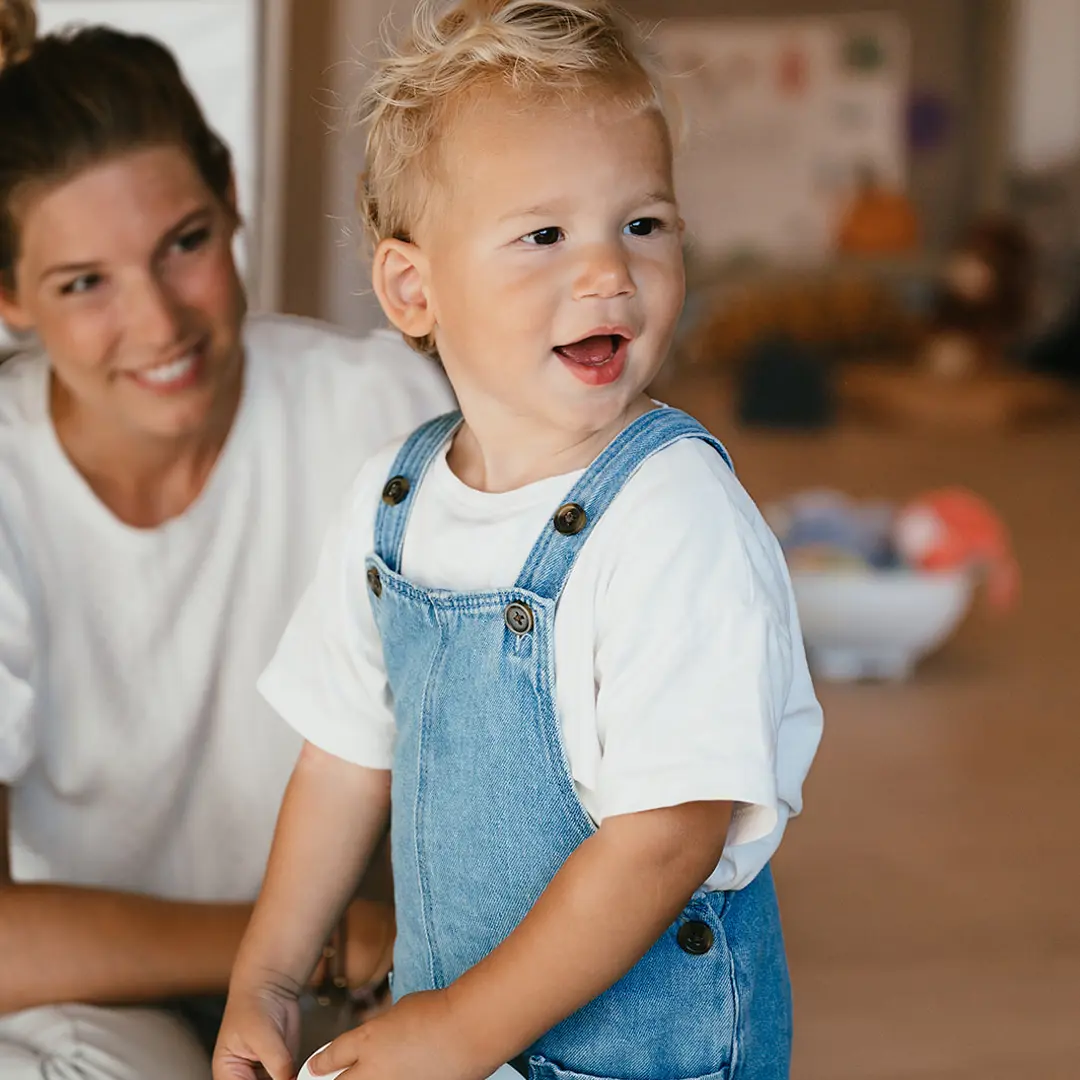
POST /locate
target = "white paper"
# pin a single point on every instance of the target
(778, 123)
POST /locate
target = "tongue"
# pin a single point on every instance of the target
(591, 350)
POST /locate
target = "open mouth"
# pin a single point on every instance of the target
(596, 359)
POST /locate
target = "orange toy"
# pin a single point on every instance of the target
(953, 528)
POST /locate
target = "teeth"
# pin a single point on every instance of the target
(167, 373)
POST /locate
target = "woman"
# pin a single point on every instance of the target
(166, 471)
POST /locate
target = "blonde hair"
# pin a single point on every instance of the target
(550, 49)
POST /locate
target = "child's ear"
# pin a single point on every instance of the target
(399, 276)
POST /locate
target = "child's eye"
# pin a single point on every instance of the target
(82, 284)
(644, 226)
(192, 241)
(544, 237)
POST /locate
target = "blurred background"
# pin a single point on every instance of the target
(883, 203)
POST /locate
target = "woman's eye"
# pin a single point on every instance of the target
(544, 237)
(192, 241)
(644, 226)
(83, 283)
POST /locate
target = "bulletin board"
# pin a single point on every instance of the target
(782, 116)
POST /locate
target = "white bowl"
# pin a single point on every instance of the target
(306, 1073)
(877, 624)
(504, 1072)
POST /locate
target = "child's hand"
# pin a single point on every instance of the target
(261, 1027)
(414, 1038)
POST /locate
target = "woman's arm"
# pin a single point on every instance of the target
(59, 943)
(331, 821)
(62, 943)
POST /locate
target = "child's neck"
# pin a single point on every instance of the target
(503, 454)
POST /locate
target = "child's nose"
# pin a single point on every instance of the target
(603, 273)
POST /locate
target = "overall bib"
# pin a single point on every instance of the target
(484, 809)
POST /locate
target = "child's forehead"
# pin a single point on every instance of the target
(493, 102)
(500, 151)
(494, 128)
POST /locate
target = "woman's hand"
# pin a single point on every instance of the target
(261, 1026)
(417, 1037)
(369, 951)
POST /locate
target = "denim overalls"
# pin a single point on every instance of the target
(485, 811)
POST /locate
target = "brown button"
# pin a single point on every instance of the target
(695, 938)
(396, 489)
(570, 519)
(519, 617)
(374, 581)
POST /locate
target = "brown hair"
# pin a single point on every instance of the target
(72, 99)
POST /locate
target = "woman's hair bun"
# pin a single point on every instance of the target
(18, 30)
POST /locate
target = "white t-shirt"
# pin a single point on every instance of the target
(139, 754)
(680, 672)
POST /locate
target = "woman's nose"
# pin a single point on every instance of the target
(153, 319)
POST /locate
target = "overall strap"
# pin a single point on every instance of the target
(553, 555)
(408, 470)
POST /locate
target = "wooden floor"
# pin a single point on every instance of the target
(931, 890)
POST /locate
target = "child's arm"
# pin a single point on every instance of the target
(602, 912)
(332, 817)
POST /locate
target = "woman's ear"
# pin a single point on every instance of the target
(11, 312)
(399, 277)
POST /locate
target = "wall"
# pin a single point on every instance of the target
(306, 267)
(1010, 67)
(1045, 124)
(325, 272)
(945, 59)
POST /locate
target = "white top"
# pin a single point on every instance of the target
(680, 672)
(139, 753)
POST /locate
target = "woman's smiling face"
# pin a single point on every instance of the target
(126, 274)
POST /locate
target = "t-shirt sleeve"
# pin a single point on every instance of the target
(327, 678)
(16, 662)
(693, 652)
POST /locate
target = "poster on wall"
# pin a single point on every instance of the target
(216, 43)
(783, 119)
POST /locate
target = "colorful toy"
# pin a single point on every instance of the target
(826, 530)
(952, 529)
(879, 586)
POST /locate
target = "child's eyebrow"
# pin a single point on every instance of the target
(665, 196)
(542, 210)
(650, 198)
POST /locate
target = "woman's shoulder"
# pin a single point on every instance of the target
(275, 337)
(307, 352)
(345, 387)
(334, 399)
(23, 420)
(23, 398)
